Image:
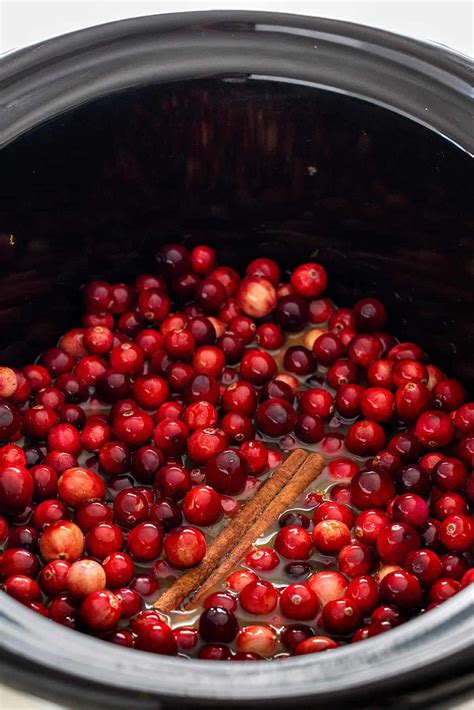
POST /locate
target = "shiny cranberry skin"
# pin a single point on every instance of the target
(145, 541)
(449, 504)
(315, 644)
(256, 297)
(167, 513)
(341, 493)
(133, 428)
(18, 561)
(202, 506)
(218, 624)
(85, 577)
(413, 479)
(210, 295)
(65, 438)
(16, 489)
(341, 616)
(229, 278)
(4, 530)
(465, 450)
(204, 444)
(425, 565)
(270, 336)
(203, 259)
(24, 537)
(309, 280)
(63, 610)
(11, 455)
(89, 514)
(255, 454)
(330, 536)
(239, 579)
(293, 634)
(363, 350)
(240, 397)
(244, 327)
(401, 589)
(299, 360)
(113, 386)
(257, 367)
(434, 429)
(72, 414)
(202, 388)
(364, 592)
(10, 421)
(371, 489)
(221, 599)
(53, 576)
(454, 565)
(395, 541)
(443, 589)
(468, 578)
(259, 597)
(298, 570)
(291, 312)
(57, 361)
(79, 485)
(379, 374)
(103, 539)
(276, 417)
(294, 543)
(377, 403)
(184, 547)
(365, 437)
(262, 559)
(145, 463)
(342, 469)
(130, 507)
(215, 652)
(327, 349)
(98, 297)
(38, 376)
(411, 400)
(348, 398)
(119, 569)
(173, 481)
(299, 602)
(450, 474)
(89, 369)
(370, 314)
(149, 341)
(62, 540)
(145, 585)
(101, 610)
(448, 395)
(38, 421)
(320, 310)
(429, 460)
(456, 533)
(114, 458)
(355, 560)
(410, 508)
(170, 436)
(48, 512)
(333, 511)
(227, 472)
(464, 418)
(316, 401)
(406, 446)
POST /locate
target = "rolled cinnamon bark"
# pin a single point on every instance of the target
(276, 494)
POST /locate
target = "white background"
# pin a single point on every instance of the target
(448, 22)
(24, 22)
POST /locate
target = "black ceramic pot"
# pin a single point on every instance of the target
(259, 133)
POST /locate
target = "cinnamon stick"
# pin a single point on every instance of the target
(277, 493)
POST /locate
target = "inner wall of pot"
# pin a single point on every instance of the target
(253, 168)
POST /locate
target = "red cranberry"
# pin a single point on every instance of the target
(130, 507)
(53, 576)
(202, 506)
(298, 570)
(293, 634)
(215, 652)
(333, 511)
(454, 565)
(16, 489)
(236, 581)
(309, 280)
(371, 489)
(363, 350)
(468, 578)
(413, 479)
(25, 537)
(57, 361)
(425, 565)
(276, 417)
(379, 374)
(449, 504)
(203, 259)
(365, 437)
(364, 592)
(113, 385)
(327, 349)
(258, 597)
(119, 569)
(315, 644)
(101, 610)
(184, 547)
(355, 560)
(443, 589)
(448, 395)
(227, 472)
(434, 429)
(368, 525)
(395, 541)
(370, 314)
(299, 360)
(173, 481)
(377, 403)
(408, 370)
(291, 312)
(221, 599)
(204, 444)
(18, 561)
(341, 616)
(270, 336)
(63, 610)
(262, 559)
(145, 541)
(330, 536)
(450, 474)
(79, 485)
(293, 543)
(10, 421)
(316, 401)
(48, 512)
(342, 469)
(256, 297)
(456, 533)
(410, 508)
(256, 455)
(348, 397)
(320, 310)
(218, 624)
(103, 539)
(145, 463)
(464, 418)
(114, 458)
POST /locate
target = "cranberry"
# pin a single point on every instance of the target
(262, 559)
(114, 458)
(218, 624)
(377, 403)
(371, 489)
(327, 349)
(293, 634)
(348, 398)
(454, 565)
(240, 397)
(146, 586)
(342, 469)
(184, 547)
(256, 455)
(227, 472)
(113, 386)
(327, 586)
(291, 312)
(130, 507)
(48, 512)
(16, 489)
(341, 616)
(203, 259)
(315, 644)
(468, 578)
(103, 539)
(10, 421)
(355, 560)
(293, 543)
(368, 525)
(18, 561)
(258, 597)
(401, 589)
(365, 437)
(202, 506)
(449, 504)
(22, 588)
(62, 540)
(257, 639)
(395, 541)
(410, 508)
(364, 592)
(101, 610)
(413, 479)
(167, 513)
(434, 429)
(363, 350)
(236, 581)
(334, 511)
(79, 485)
(299, 360)
(456, 533)
(57, 361)
(84, 577)
(221, 599)
(204, 444)
(443, 589)
(256, 297)
(448, 395)
(370, 314)
(379, 374)
(450, 474)
(145, 541)
(411, 400)
(330, 536)
(215, 652)
(270, 336)
(309, 280)
(119, 569)
(464, 418)
(63, 610)
(25, 536)
(320, 310)
(276, 417)
(425, 565)
(316, 401)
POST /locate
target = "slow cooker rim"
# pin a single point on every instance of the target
(423, 641)
(453, 613)
(422, 81)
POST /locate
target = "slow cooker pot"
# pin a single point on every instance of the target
(261, 134)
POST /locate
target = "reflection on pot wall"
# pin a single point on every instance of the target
(248, 166)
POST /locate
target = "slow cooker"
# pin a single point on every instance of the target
(258, 133)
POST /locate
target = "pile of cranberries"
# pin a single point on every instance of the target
(129, 444)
